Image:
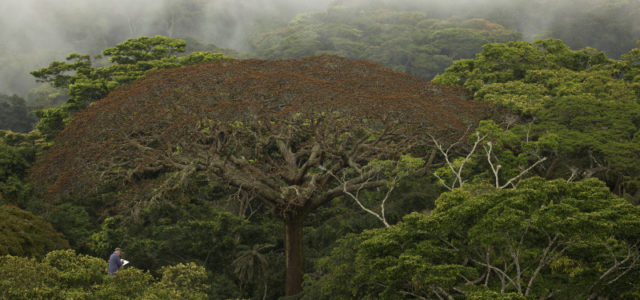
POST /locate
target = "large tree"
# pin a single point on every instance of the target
(542, 240)
(17, 153)
(294, 134)
(581, 107)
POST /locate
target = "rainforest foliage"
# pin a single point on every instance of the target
(292, 148)
(65, 274)
(14, 114)
(544, 239)
(582, 108)
(87, 82)
(328, 177)
(404, 41)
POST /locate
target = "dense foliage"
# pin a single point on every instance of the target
(207, 175)
(14, 114)
(88, 81)
(609, 25)
(17, 153)
(582, 108)
(63, 274)
(544, 239)
(404, 41)
(293, 134)
(25, 234)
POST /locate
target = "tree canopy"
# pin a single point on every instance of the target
(208, 170)
(583, 107)
(25, 234)
(17, 153)
(544, 239)
(405, 41)
(89, 80)
(283, 131)
(64, 274)
(14, 114)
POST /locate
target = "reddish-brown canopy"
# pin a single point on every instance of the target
(271, 120)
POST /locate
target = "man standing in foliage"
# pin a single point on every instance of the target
(115, 262)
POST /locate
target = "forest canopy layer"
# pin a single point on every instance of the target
(294, 134)
(514, 174)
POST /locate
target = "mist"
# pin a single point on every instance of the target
(36, 32)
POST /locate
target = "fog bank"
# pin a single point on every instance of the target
(36, 32)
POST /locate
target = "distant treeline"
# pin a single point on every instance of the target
(610, 26)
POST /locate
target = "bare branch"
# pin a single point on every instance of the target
(445, 153)
(442, 291)
(443, 182)
(356, 198)
(488, 150)
(544, 259)
(496, 269)
(574, 174)
(495, 170)
(523, 172)
(633, 254)
(412, 294)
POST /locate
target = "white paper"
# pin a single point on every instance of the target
(124, 262)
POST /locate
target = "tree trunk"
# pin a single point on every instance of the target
(293, 253)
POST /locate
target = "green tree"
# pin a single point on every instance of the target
(64, 274)
(203, 233)
(545, 238)
(284, 147)
(14, 114)
(89, 80)
(406, 41)
(17, 153)
(46, 96)
(184, 281)
(74, 222)
(609, 25)
(582, 106)
(24, 278)
(195, 227)
(25, 234)
(76, 270)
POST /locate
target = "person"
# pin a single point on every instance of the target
(115, 262)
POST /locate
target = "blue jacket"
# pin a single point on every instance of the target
(114, 264)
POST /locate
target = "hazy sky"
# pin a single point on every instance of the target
(36, 32)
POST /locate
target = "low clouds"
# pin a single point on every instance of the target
(36, 32)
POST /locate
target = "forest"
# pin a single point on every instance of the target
(336, 149)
